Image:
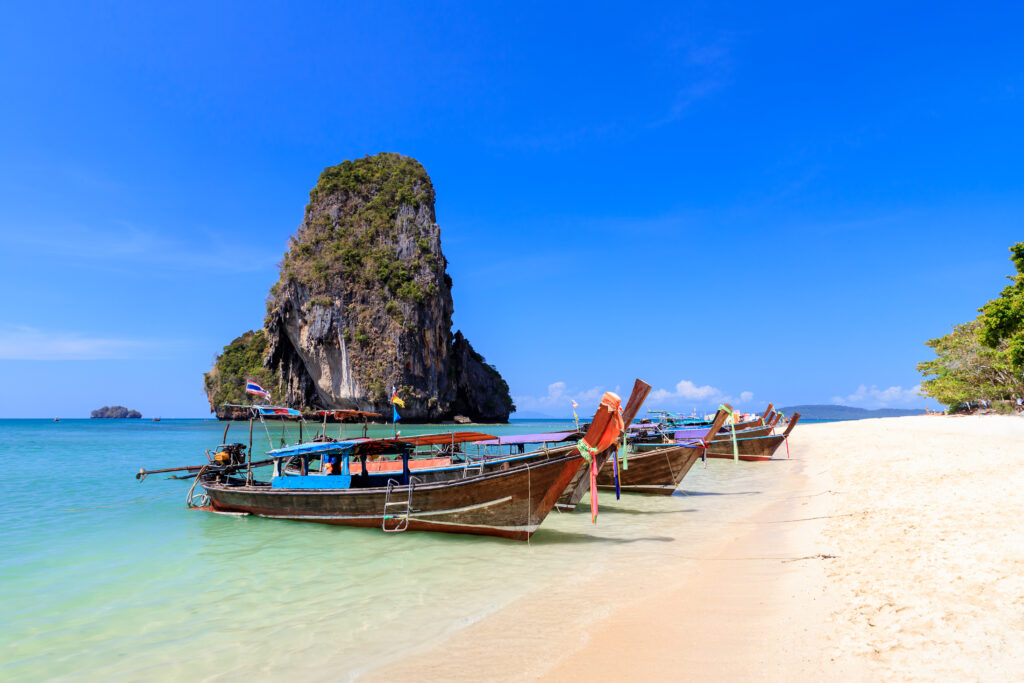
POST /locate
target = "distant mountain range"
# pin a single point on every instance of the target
(832, 412)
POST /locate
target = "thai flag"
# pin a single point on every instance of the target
(253, 388)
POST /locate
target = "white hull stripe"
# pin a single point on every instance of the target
(499, 501)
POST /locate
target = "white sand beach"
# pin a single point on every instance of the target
(884, 549)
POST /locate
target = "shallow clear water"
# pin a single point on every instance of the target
(104, 577)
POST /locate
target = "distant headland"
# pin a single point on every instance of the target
(115, 412)
(834, 412)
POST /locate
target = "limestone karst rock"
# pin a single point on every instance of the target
(363, 303)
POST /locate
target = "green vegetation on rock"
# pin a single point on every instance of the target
(349, 232)
(240, 361)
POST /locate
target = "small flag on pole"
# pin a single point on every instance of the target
(253, 388)
(575, 417)
(395, 402)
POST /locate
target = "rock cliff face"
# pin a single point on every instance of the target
(364, 303)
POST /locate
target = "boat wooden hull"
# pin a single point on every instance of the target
(752, 449)
(508, 504)
(744, 458)
(656, 472)
(745, 434)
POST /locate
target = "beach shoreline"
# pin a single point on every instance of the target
(810, 580)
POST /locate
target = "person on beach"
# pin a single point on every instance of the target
(1020, 404)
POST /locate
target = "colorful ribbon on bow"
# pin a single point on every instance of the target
(732, 426)
(612, 428)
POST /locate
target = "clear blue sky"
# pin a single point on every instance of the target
(728, 200)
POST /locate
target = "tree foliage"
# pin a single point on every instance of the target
(967, 369)
(982, 359)
(1002, 319)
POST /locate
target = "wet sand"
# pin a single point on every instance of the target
(888, 549)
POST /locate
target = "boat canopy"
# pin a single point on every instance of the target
(636, 426)
(357, 446)
(447, 437)
(347, 414)
(374, 446)
(278, 411)
(548, 437)
(266, 410)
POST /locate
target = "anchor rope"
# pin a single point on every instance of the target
(188, 498)
(117, 505)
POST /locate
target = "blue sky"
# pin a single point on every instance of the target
(727, 200)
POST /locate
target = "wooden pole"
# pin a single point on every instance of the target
(248, 457)
(224, 439)
(300, 430)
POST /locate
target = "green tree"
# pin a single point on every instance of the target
(966, 368)
(1002, 319)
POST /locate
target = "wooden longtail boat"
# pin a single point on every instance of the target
(725, 433)
(445, 468)
(696, 430)
(752, 449)
(451, 467)
(659, 470)
(509, 503)
(751, 424)
(575, 491)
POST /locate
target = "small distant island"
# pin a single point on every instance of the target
(115, 412)
(834, 412)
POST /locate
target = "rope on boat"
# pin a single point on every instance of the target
(668, 461)
(263, 422)
(117, 505)
(204, 499)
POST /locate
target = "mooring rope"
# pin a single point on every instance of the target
(188, 498)
(117, 505)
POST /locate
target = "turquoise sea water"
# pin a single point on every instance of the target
(106, 578)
